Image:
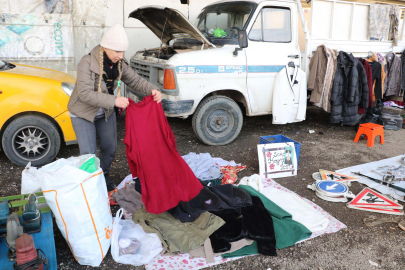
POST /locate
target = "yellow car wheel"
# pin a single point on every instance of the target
(31, 138)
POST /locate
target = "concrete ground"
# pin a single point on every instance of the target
(351, 248)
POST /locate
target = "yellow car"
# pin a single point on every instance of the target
(33, 113)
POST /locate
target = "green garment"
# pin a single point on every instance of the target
(219, 33)
(175, 235)
(214, 182)
(248, 250)
(89, 166)
(287, 231)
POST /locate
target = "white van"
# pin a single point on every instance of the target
(208, 72)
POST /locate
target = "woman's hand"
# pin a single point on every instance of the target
(157, 96)
(121, 102)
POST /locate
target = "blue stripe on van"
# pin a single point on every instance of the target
(264, 69)
(226, 69)
(209, 69)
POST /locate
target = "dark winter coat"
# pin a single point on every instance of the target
(369, 74)
(349, 90)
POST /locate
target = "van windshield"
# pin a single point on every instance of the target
(220, 23)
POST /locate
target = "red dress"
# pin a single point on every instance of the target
(152, 155)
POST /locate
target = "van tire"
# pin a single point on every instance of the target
(40, 135)
(217, 120)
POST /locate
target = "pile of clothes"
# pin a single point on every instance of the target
(227, 220)
(176, 198)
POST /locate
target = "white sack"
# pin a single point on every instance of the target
(78, 200)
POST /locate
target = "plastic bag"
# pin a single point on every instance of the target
(89, 166)
(29, 180)
(79, 201)
(150, 243)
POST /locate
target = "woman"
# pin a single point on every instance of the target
(96, 92)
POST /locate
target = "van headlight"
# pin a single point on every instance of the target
(68, 88)
(161, 74)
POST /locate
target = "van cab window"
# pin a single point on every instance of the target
(273, 24)
(221, 22)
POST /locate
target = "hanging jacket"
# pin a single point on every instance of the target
(330, 74)
(395, 16)
(349, 90)
(403, 70)
(289, 96)
(393, 70)
(378, 89)
(317, 67)
(377, 84)
(369, 74)
(152, 155)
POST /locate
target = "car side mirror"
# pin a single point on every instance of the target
(243, 41)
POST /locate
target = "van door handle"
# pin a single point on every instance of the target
(294, 56)
(1, 92)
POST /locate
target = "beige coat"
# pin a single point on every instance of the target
(317, 67)
(329, 76)
(85, 100)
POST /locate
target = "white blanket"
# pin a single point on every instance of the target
(300, 211)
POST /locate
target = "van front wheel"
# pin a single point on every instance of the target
(217, 120)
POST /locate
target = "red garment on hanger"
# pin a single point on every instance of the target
(152, 155)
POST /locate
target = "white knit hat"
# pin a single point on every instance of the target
(115, 38)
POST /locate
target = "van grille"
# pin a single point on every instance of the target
(142, 70)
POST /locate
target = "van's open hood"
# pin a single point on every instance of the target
(158, 17)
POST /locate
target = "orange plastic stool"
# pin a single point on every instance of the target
(371, 131)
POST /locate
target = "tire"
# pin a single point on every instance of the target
(217, 120)
(31, 138)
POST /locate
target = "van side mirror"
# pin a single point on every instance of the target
(243, 41)
(242, 38)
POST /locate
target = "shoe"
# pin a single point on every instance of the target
(402, 224)
(110, 183)
(14, 230)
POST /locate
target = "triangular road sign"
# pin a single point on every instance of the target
(328, 175)
(370, 198)
(379, 210)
